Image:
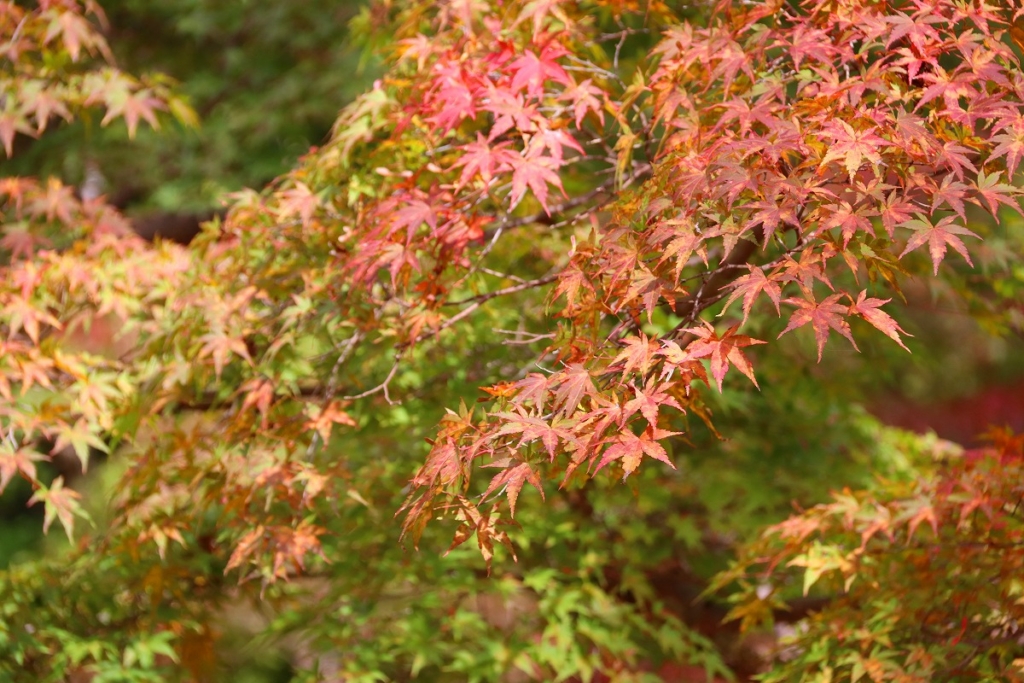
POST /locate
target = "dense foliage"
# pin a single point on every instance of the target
(613, 240)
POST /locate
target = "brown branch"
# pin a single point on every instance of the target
(688, 308)
(383, 386)
(481, 298)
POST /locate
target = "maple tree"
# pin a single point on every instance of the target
(573, 224)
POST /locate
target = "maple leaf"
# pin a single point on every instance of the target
(444, 465)
(570, 282)
(630, 449)
(246, 547)
(917, 28)
(809, 42)
(480, 158)
(298, 201)
(869, 309)
(952, 193)
(15, 460)
(532, 70)
(501, 389)
(259, 394)
(995, 193)
(132, 107)
(638, 354)
(81, 437)
(12, 122)
(484, 525)
(1011, 146)
(822, 316)
(510, 111)
(584, 99)
(537, 11)
(895, 210)
(412, 214)
(937, 237)
(532, 428)
(534, 172)
(731, 59)
(292, 545)
(953, 155)
(324, 420)
(851, 146)
(75, 33)
(950, 87)
(512, 479)
(848, 220)
(573, 383)
(419, 47)
(750, 286)
(454, 94)
(649, 401)
(771, 214)
(220, 347)
(683, 241)
(722, 350)
(534, 387)
(804, 272)
(24, 314)
(912, 129)
(61, 504)
(57, 202)
(555, 141)
(915, 511)
(647, 287)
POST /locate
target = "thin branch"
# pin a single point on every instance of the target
(480, 298)
(383, 386)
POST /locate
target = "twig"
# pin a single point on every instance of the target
(480, 298)
(383, 386)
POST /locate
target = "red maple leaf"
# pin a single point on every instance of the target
(952, 193)
(638, 354)
(13, 461)
(532, 70)
(937, 237)
(851, 146)
(480, 158)
(531, 428)
(412, 214)
(722, 350)
(995, 193)
(574, 382)
(534, 387)
(1011, 145)
(848, 220)
(59, 503)
(869, 309)
(649, 401)
(570, 282)
(132, 107)
(300, 201)
(630, 449)
(454, 94)
(584, 98)
(750, 286)
(822, 316)
(512, 479)
(510, 111)
(534, 172)
(771, 214)
(953, 156)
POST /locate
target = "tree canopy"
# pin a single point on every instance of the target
(518, 372)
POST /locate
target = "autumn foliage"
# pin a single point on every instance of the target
(577, 225)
